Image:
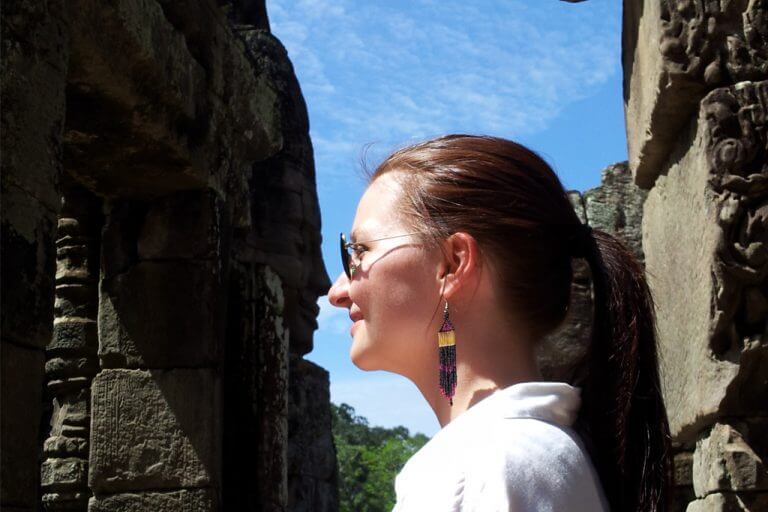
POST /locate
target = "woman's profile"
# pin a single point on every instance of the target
(458, 264)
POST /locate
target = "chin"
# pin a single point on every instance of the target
(361, 358)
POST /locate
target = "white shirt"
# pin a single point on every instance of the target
(514, 451)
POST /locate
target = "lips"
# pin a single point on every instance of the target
(355, 316)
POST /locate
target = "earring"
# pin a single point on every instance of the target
(446, 340)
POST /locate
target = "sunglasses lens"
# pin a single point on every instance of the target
(345, 256)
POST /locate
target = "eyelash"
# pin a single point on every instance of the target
(359, 248)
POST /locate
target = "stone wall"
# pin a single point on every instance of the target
(696, 97)
(161, 263)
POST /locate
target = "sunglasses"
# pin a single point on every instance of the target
(348, 249)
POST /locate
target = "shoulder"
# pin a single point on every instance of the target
(524, 464)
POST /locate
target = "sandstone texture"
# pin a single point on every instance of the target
(161, 259)
(696, 103)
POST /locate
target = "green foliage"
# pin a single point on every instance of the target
(369, 459)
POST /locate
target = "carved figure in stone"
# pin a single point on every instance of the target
(736, 124)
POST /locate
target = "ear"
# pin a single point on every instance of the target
(460, 269)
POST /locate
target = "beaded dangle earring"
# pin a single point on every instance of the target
(446, 339)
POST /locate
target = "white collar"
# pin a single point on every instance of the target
(555, 402)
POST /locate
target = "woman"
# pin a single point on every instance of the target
(459, 263)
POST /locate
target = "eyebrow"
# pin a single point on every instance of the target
(355, 235)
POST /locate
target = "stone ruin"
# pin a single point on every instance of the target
(161, 263)
(160, 241)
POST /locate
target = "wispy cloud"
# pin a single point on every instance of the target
(390, 72)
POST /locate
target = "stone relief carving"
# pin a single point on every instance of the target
(736, 125)
(715, 41)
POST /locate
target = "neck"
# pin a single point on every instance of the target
(480, 372)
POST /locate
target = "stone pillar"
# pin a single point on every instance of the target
(696, 106)
(706, 237)
(71, 355)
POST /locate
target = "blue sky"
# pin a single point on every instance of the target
(379, 75)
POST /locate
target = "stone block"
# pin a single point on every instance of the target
(154, 430)
(703, 237)
(63, 474)
(730, 502)
(311, 455)
(161, 315)
(33, 86)
(725, 461)
(184, 500)
(182, 225)
(75, 301)
(21, 384)
(27, 233)
(74, 336)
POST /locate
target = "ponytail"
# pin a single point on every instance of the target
(623, 413)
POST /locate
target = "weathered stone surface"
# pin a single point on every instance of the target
(161, 315)
(62, 474)
(284, 204)
(154, 430)
(182, 225)
(162, 140)
(674, 52)
(256, 393)
(312, 467)
(21, 380)
(65, 500)
(730, 502)
(74, 335)
(684, 468)
(616, 206)
(32, 89)
(704, 240)
(71, 301)
(184, 500)
(724, 461)
(27, 229)
(205, 100)
(33, 80)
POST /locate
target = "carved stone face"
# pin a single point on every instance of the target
(301, 307)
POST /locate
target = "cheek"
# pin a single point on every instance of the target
(404, 295)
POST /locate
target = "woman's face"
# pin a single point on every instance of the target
(395, 291)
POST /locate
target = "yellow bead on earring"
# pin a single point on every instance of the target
(446, 340)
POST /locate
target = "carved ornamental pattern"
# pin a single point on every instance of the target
(736, 122)
(71, 360)
(718, 42)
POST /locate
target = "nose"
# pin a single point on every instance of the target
(338, 295)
